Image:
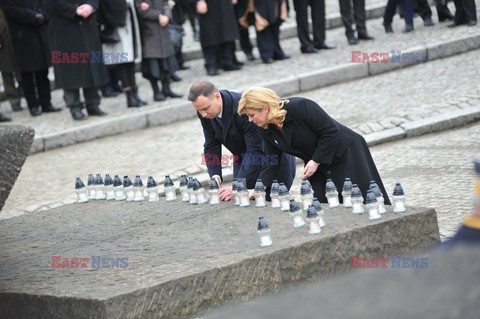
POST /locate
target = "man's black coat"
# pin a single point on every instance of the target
(311, 134)
(241, 137)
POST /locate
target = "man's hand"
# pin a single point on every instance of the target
(226, 193)
(85, 10)
(202, 7)
(144, 6)
(163, 20)
(310, 169)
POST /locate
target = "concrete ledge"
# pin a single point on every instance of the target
(181, 258)
(333, 75)
(169, 114)
(384, 136)
(284, 87)
(397, 61)
(443, 49)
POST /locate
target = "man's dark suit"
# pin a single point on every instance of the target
(240, 137)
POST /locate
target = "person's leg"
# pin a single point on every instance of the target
(318, 22)
(274, 30)
(92, 102)
(72, 99)
(43, 88)
(11, 91)
(210, 57)
(301, 16)
(347, 19)
(470, 10)
(390, 10)
(30, 94)
(408, 14)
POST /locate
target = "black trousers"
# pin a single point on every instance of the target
(36, 88)
(318, 22)
(126, 74)
(268, 42)
(358, 15)
(12, 93)
(465, 11)
(423, 9)
(219, 55)
(72, 97)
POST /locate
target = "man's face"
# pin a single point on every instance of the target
(208, 106)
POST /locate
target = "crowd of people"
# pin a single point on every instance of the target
(117, 35)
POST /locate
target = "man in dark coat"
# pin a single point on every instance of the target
(73, 30)
(218, 32)
(328, 149)
(217, 111)
(29, 34)
(359, 15)
(465, 13)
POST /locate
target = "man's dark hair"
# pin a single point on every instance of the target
(199, 88)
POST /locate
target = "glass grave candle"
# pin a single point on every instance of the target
(357, 200)
(214, 192)
(260, 194)
(118, 188)
(99, 187)
(243, 194)
(398, 199)
(372, 206)
(320, 212)
(284, 197)
(138, 189)
(91, 186)
(274, 189)
(264, 232)
(152, 189)
(378, 194)
(199, 192)
(347, 193)
(81, 190)
(183, 188)
(296, 213)
(331, 194)
(306, 194)
(191, 194)
(313, 220)
(109, 191)
(169, 188)
(236, 198)
(128, 188)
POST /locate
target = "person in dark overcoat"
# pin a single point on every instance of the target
(218, 32)
(73, 29)
(222, 125)
(28, 23)
(159, 61)
(300, 127)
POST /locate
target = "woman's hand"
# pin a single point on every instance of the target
(163, 20)
(202, 7)
(85, 10)
(310, 169)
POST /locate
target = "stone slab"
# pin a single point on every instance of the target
(333, 75)
(384, 136)
(15, 144)
(181, 258)
(443, 49)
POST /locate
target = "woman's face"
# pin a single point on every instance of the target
(259, 117)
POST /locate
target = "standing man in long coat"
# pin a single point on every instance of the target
(29, 34)
(218, 32)
(73, 29)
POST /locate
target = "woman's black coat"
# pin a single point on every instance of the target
(311, 134)
(219, 24)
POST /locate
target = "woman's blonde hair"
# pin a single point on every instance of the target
(256, 98)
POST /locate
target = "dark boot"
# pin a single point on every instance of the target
(77, 113)
(131, 101)
(94, 110)
(136, 97)
(167, 91)
(157, 95)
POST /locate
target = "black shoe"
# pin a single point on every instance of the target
(428, 22)
(454, 25)
(309, 50)
(77, 113)
(365, 36)
(472, 23)
(131, 101)
(212, 71)
(231, 67)
(3, 118)
(408, 28)
(446, 18)
(388, 28)
(16, 107)
(136, 97)
(184, 67)
(50, 109)
(352, 39)
(268, 61)
(281, 57)
(175, 78)
(167, 91)
(157, 95)
(250, 56)
(325, 46)
(35, 111)
(94, 110)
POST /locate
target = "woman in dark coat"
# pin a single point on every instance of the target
(300, 127)
(73, 29)
(29, 35)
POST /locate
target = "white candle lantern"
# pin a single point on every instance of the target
(357, 200)
(128, 188)
(398, 199)
(138, 189)
(284, 197)
(183, 188)
(378, 194)
(319, 211)
(260, 194)
(99, 188)
(264, 232)
(91, 186)
(236, 198)
(152, 189)
(118, 188)
(243, 194)
(313, 220)
(214, 192)
(81, 190)
(192, 199)
(109, 191)
(274, 189)
(347, 193)
(296, 213)
(169, 188)
(372, 206)
(331, 194)
(306, 194)
(199, 192)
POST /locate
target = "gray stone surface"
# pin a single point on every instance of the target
(342, 73)
(181, 258)
(446, 289)
(14, 147)
(384, 136)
